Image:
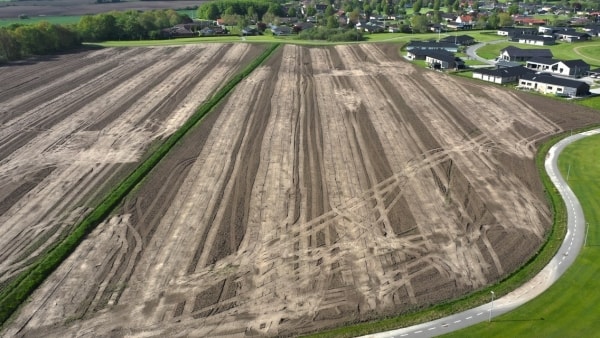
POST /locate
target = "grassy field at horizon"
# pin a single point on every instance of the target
(570, 307)
(59, 20)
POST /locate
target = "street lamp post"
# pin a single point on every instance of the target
(492, 308)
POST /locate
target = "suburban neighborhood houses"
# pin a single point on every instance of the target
(548, 84)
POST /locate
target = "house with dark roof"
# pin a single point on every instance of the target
(548, 84)
(516, 54)
(461, 40)
(441, 59)
(511, 31)
(566, 68)
(574, 36)
(417, 54)
(450, 47)
(537, 40)
(501, 75)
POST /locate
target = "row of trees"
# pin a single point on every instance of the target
(255, 9)
(128, 25)
(18, 41)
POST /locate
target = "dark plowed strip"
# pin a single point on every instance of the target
(48, 122)
(140, 91)
(24, 188)
(53, 91)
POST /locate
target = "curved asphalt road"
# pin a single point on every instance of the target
(558, 265)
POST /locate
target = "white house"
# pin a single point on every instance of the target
(566, 68)
(548, 84)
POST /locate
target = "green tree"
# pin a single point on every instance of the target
(436, 5)
(513, 9)
(504, 20)
(10, 48)
(417, 5)
(329, 10)
(332, 22)
(209, 11)
(251, 13)
(419, 23)
(493, 21)
(354, 16)
(437, 17)
(292, 12)
(276, 9)
(311, 10)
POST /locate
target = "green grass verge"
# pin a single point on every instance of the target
(525, 273)
(15, 293)
(570, 307)
(592, 102)
(268, 38)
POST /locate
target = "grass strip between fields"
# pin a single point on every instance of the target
(16, 292)
(554, 237)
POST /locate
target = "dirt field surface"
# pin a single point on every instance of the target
(78, 7)
(73, 125)
(334, 185)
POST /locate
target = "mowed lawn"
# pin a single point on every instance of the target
(588, 51)
(571, 307)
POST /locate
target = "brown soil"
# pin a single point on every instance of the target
(333, 185)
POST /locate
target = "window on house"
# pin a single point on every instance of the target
(559, 89)
(549, 87)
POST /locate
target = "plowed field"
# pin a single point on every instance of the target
(333, 185)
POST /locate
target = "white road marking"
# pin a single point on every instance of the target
(431, 328)
(469, 317)
(419, 331)
(457, 321)
(480, 313)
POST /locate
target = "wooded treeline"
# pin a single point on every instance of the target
(19, 41)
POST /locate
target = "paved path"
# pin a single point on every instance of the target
(472, 51)
(558, 265)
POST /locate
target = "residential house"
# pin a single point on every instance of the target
(178, 31)
(567, 68)
(536, 40)
(528, 21)
(448, 17)
(506, 64)
(548, 84)
(574, 36)
(594, 72)
(441, 59)
(249, 31)
(501, 75)
(281, 30)
(516, 54)
(511, 31)
(461, 40)
(593, 30)
(417, 54)
(449, 47)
